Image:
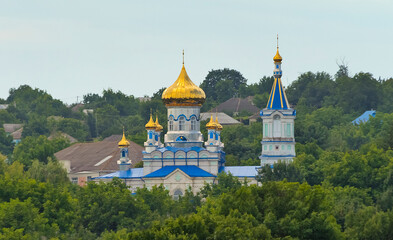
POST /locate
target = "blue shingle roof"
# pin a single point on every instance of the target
(364, 117)
(192, 171)
(241, 171)
(277, 98)
(130, 173)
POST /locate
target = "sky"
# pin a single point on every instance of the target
(71, 48)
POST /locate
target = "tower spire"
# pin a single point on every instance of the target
(277, 40)
(183, 56)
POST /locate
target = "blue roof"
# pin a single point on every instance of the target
(175, 149)
(364, 117)
(277, 98)
(242, 171)
(192, 171)
(130, 173)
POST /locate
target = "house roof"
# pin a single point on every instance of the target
(237, 105)
(191, 170)
(11, 127)
(65, 135)
(98, 156)
(364, 117)
(130, 173)
(223, 118)
(241, 171)
(17, 134)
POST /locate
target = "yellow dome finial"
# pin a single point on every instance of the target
(123, 142)
(150, 125)
(183, 56)
(158, 126)
(218, 125)
(211, 124)
(277, 58)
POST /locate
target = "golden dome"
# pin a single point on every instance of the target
(158, 126)
(183, 92)
(123, 142)
(277, 58)
(219, 126)
(151, 124)
(211, 124)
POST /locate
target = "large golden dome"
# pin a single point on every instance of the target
(183, 92)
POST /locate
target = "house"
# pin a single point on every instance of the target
(237, 105)
(84, 161)
(15, 130)
(223, 118)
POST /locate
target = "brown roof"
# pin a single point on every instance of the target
(98, 156)
(11, 127)
(223, 118)
(64, 135)
(17, 134)
(236, 105)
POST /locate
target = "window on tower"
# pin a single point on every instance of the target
(182, 122)
(193, 123)
(170, 123)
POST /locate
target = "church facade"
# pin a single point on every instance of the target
(184, 161)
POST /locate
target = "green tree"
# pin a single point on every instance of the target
(39, 148)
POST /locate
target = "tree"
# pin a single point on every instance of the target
(6, 144)
(226, 82)
(39, 148)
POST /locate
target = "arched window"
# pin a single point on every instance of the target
(193, 123)
(276, 126)
(178, 193)
(182, 122)
(170, 123)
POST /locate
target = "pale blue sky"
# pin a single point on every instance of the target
(70, 48)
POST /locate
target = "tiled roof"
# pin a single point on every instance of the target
(11, 127)
(98, 156)
(192, 171)
(237, 105)
(223, 118)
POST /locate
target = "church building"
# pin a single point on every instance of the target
(184, 161)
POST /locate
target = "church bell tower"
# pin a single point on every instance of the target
(278, 118)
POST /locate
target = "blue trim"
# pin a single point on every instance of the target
(189, 119)
(284, 114)
(277, 155)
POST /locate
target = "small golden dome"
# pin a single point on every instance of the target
(219, 126)
(158, 126)
(123, 142)
(211, 124)
(277, 58)
(183, 92)
(151, 124)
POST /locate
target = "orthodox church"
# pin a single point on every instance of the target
(184, 161)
